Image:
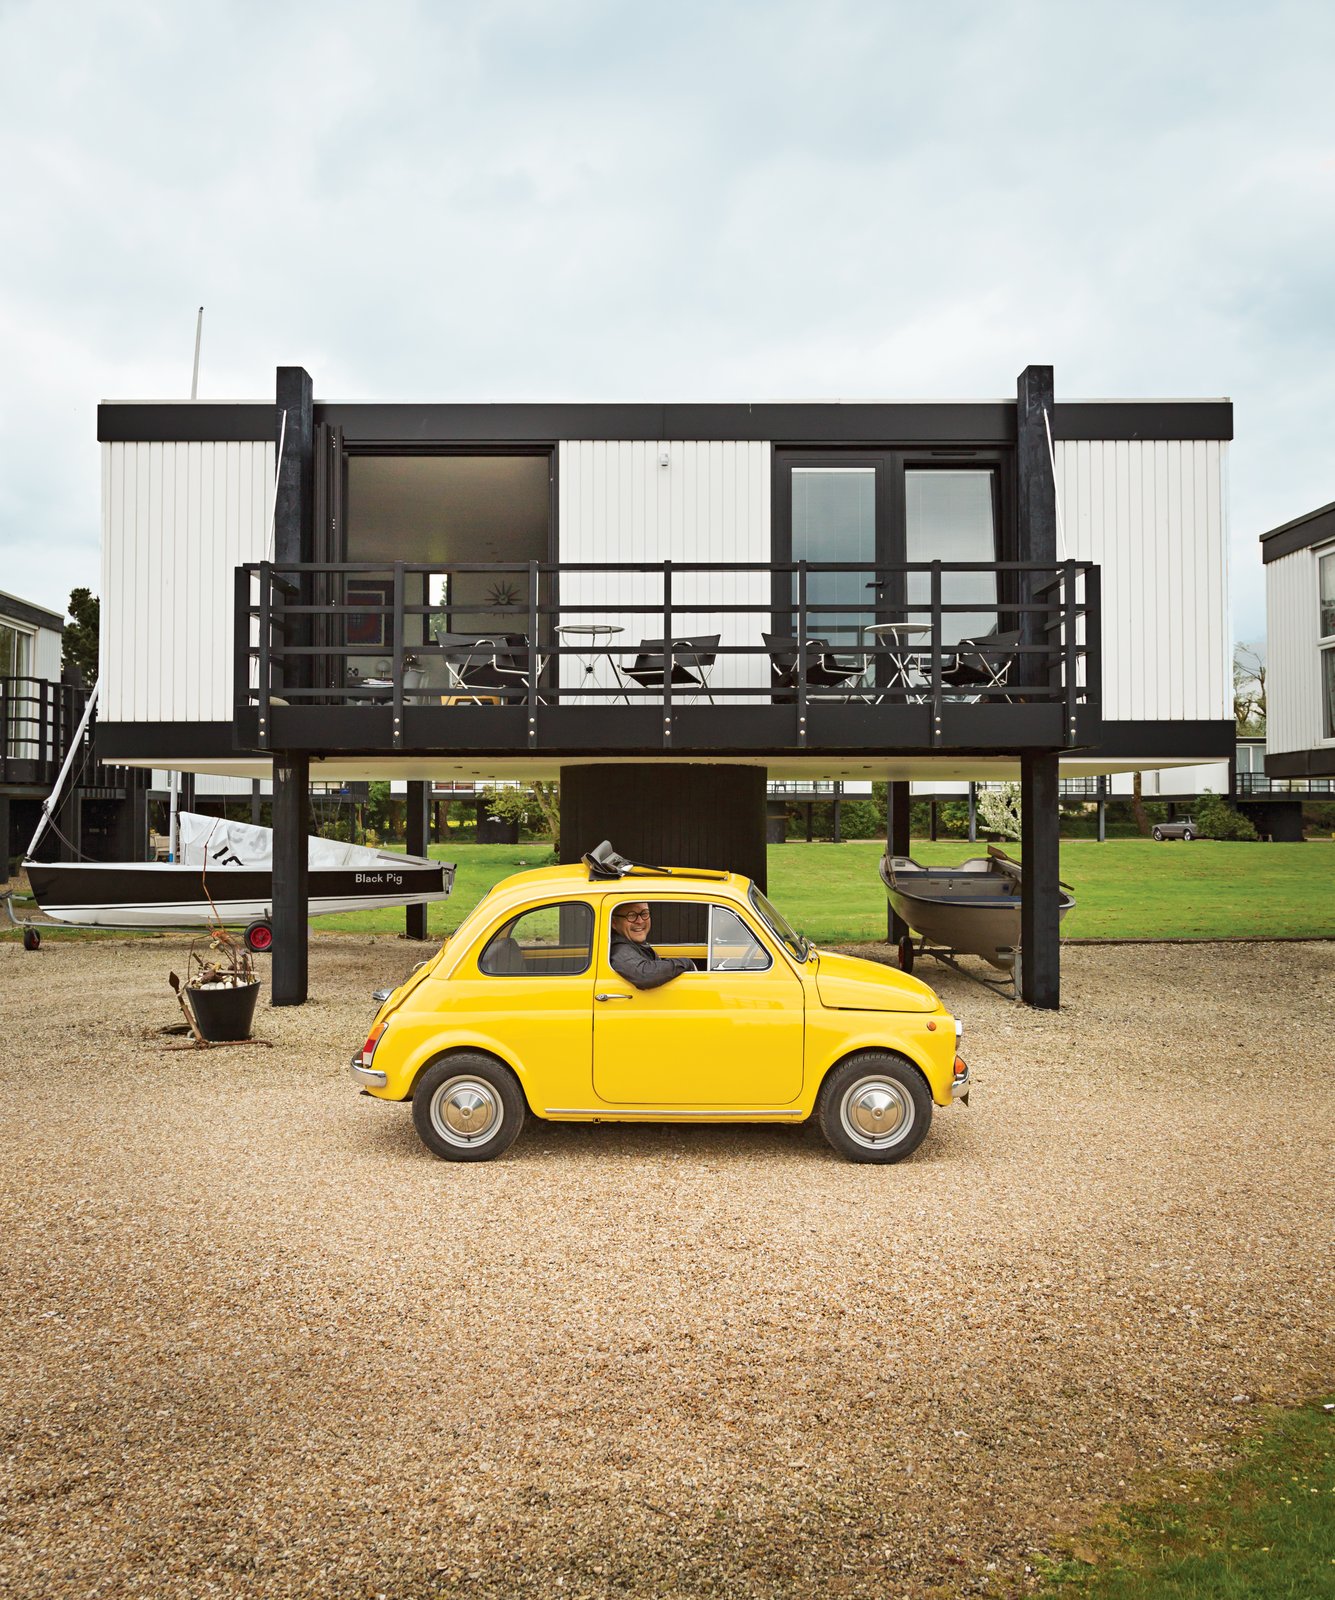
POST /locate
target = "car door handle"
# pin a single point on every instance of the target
(614, 997)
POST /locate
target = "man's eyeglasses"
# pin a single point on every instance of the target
(633, 916)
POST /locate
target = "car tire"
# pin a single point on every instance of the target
(468, 1108)
(1187, 835)
(867, 1091)
(1158, 836)
(259, 937)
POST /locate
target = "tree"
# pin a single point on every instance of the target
(999, 809)
(78, 645)
(1249, 688)
(1138, 806)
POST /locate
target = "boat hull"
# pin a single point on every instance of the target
(972, 909)
(169, 895)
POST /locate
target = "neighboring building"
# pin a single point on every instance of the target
(100, 813)
(1300, 646)
(322, 627)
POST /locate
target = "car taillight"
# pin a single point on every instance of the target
(372, 1040)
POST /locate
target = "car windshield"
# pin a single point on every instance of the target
(780, 926)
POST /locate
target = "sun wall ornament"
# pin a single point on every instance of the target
(504, 593)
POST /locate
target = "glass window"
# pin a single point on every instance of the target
(549, 941)
(778, 924)
(950, 516)
(14, 644)
(834, 519)
(1327, 566)
(733, 947)
(1328, 690)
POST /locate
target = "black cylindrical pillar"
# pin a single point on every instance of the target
(687, 815)
(898, 799)
(419, 800)
(1040, 869)
(291, 897)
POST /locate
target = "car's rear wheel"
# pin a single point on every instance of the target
(875, 1107)
(1158, 835)
(468, 1108)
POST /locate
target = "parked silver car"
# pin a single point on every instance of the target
(1181, 828)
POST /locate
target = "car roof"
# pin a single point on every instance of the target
(573, 878)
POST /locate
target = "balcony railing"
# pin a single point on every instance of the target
(1258, 783)
(656, 655)
(39, 719)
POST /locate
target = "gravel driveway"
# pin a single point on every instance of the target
(260, 1343)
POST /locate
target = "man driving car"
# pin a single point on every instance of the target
(634, 957)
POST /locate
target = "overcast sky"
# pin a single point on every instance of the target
(519, 200)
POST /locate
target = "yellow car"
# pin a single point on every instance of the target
(528, 1009)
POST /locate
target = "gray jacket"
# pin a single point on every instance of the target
(641, 965)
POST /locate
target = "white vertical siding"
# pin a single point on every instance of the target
(710, 503)
(1152, 514)
(177, 519)
(46, 654)
(1293, 676)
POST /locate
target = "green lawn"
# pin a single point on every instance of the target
(1125, 889)
(1265, 1530)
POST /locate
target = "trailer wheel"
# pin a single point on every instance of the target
(906, 954)
(259, 938)
(32, 940)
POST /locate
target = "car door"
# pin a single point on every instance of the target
(729, 1035)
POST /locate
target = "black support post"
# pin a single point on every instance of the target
(291, 899)
(897, 844)
(973, 813)
(1036, 509)
(294, 504)
(1040, 869)
(1103, 809)
(419, 817)
(8, 849)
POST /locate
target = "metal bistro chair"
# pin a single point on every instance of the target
(468, 658)
(825, 670)
(983, 665)
(692, 662)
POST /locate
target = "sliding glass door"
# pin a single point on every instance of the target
(886, 508)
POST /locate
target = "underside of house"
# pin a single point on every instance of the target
(665, 605)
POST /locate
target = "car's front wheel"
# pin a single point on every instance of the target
(875, 1107)
(468, 1108)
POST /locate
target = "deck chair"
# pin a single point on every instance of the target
(692, 662)
(825, 670)
(982, 665)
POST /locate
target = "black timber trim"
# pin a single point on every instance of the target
(164, 743)
(585, 730)
(12, 609)
(1316, 763)
(1151, 742)
(1303, 533)
(971, 422)
(184, 421)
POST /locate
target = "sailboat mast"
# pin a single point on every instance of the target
(49, 804)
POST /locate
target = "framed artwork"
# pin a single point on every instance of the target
(372, 627)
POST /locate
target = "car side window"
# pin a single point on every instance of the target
(548, 941)
(733, 947)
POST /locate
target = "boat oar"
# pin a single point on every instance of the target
(995, 850)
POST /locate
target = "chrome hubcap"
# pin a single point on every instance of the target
(465, 1111)
(876, 1112)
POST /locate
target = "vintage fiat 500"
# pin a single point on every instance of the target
(522, 1012)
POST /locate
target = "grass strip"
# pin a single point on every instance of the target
(1262, 1530)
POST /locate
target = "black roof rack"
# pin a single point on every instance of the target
(604, 862)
